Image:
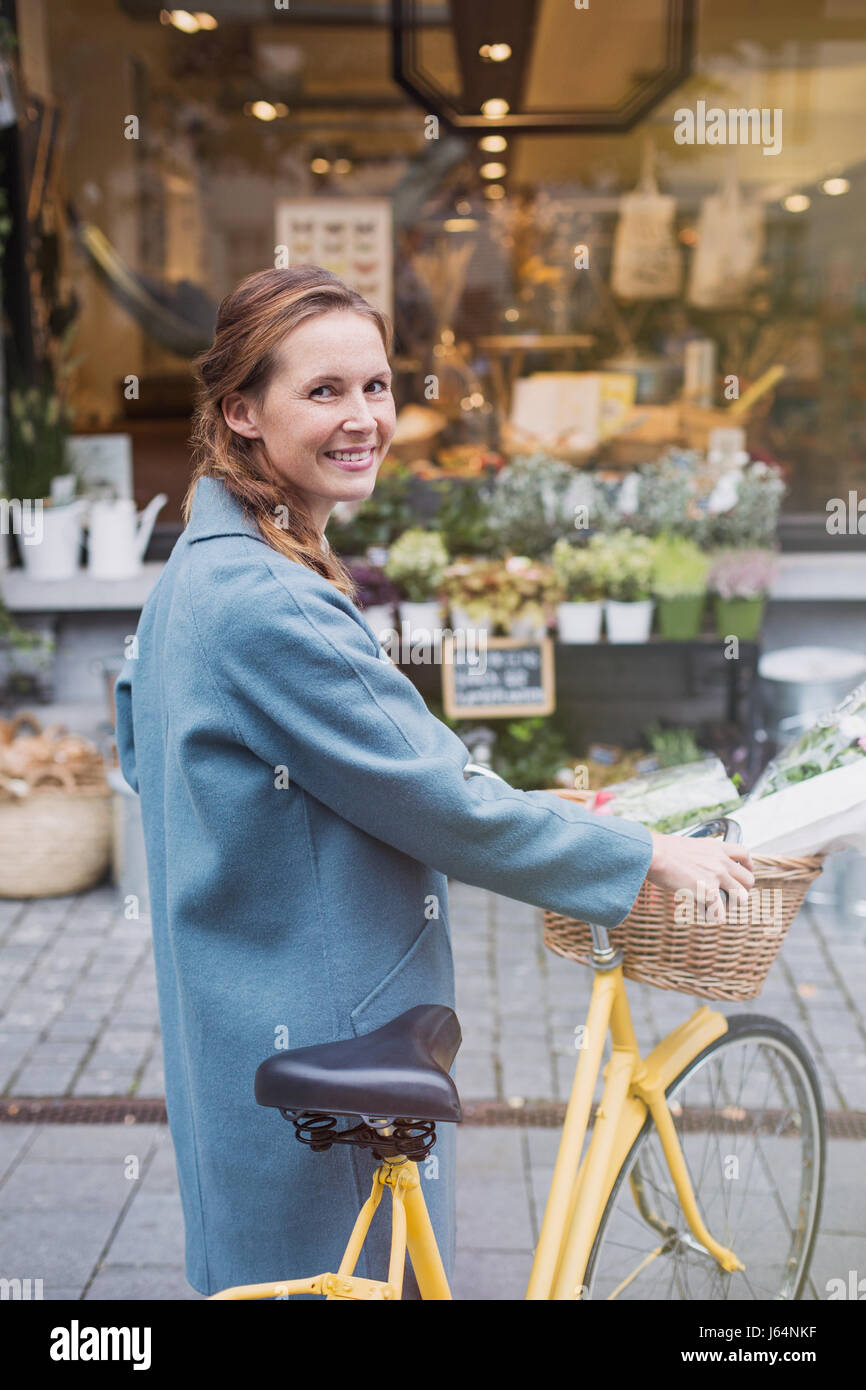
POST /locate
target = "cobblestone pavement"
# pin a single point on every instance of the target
(78, 1017)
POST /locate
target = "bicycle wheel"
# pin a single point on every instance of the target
(750, 1118)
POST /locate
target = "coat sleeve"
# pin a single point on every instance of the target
(306, 687)
(123, 733)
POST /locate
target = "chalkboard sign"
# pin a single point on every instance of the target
(505, 677)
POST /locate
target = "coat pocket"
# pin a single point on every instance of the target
(423, 975)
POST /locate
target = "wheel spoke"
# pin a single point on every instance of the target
(766, 1214)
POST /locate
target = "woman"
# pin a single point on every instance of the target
(302, 809)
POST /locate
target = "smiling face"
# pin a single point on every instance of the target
(327, 416)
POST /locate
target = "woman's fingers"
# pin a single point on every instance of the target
(735, 888)
(741, 854)
(742, 874)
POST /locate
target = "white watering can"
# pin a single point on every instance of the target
(50, 549)
(119, 536)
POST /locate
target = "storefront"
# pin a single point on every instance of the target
(624, 262)
(618, 544)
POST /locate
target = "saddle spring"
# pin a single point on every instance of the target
(408, 1138)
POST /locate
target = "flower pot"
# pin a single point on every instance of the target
(421, 618)
(739, 617)
(628, 622)
(380, 616)
(579, 621)
(464, 622)
(56, 554)
(680, 618)
(527, 628)
(419, 615)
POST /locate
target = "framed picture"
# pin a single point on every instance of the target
(101, 462)
(350, 236)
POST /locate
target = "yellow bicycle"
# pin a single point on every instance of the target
(702, 1177)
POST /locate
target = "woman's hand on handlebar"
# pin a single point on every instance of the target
(680, 863)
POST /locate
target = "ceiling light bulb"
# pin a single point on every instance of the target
(263, 111)
(835, 186)
(495, 108)
(495, 52)
(492, 171)
(797, 202)
(320, 166)
(493, 144)
(494, 191)
(183, 20)
(205, 20)
(342, 166)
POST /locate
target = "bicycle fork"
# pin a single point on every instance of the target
(633, 1085)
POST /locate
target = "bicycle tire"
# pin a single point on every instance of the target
(741, 1028)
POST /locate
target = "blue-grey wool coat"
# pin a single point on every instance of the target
(302, 812)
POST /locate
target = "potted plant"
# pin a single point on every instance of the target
(377, 595)
(626, 573)
(37, 475)
(680, 570)
(25, 656)
(579, 610)
(470, 586)
(416, 563)
(533, 501)
(741, 580)
(528, 591)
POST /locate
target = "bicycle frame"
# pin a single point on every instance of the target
(633, 1086)
(580, 1187)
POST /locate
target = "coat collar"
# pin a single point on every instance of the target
(216, 512)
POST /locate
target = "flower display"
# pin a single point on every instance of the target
(742, 573)
(374, 586)
(680, 567)
(577, 571)
(625, 565)
(416, 563)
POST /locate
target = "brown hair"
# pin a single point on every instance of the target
(252, 322)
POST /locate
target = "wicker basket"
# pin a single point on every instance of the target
(727, 960)
(55, 812)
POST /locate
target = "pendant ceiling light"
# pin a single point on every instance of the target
(543, 66)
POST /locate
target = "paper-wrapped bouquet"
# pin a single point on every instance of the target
(811, 799)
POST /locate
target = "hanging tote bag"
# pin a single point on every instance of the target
(646, 256)
(730, 246)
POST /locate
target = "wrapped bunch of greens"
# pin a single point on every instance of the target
(672, 798)
(834, 740)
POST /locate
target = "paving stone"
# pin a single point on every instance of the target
(151, 1232)
(58, 1187)
(129, 1284)
(835, 1257)
(493, 1215)
(68, 1029)
(161, 1175)
(106, 1081)
(59, 1052)
(44, 1080)
(14, 1140)
(79, 1143)
(484, 1275)
(61, 1248)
